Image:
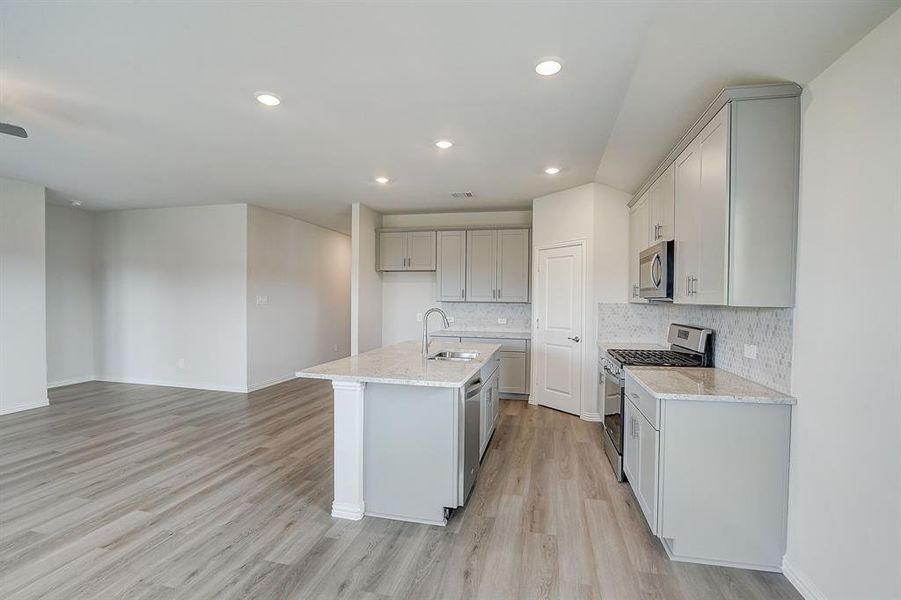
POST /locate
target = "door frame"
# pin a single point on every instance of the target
(586, 323)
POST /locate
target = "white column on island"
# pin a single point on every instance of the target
(348, 501)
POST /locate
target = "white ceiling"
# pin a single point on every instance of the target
(151, 104)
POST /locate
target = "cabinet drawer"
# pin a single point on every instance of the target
(647, 404)
(506, 345)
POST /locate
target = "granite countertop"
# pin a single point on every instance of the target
(704, 384)
(403, 364)
(505, 334)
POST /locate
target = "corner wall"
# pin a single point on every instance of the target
(844, 526)
(170, 302)
(366, 282)
(23, 336)
(70, 296)
(298, 296)
(598, 215)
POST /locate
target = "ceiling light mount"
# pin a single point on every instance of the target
(552, 170)
(382, 180)
(268, 98)
(76, 203)
(549, 66)
(444, 144)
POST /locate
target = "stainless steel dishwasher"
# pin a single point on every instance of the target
(472, 429)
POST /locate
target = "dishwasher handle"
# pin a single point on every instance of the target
(473, 389)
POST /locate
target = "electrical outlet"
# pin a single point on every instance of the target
(751, 351)
(335, 348)
(262, 300)
(450, 319)
(181, 363)
(419, 317)
(501, 321)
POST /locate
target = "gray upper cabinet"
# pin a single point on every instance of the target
(497, 265)
(481, 266)
(393, 251)
(406, 250)
(451, 272)
(734, 177)
(661, 209)
(513, 265)
(421, 251)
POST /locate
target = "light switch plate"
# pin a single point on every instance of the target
(751, 351)
(501, 321)
(450, 319)
(181, 363)
(419, 317)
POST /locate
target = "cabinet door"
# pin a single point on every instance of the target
(688, 186)
(451, 267)
(630, 446)
(481, 266)
(648, 448)
(661, 198)
(513, 265)
(638, 241)
(713, 212)
(392, 251)
(512, 378)
(421, 251)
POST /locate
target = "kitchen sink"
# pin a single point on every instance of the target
(455, 355)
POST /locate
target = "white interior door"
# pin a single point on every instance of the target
(559, 335)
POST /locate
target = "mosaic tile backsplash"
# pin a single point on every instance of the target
(770, 329)
(484, 315)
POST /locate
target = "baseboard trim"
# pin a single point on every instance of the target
(351, 512)
(591, 417)
(73, 381)
(188, 385)
(802, 582)
(270, 382)
(17, 408)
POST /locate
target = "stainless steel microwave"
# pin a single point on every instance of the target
(655, 272)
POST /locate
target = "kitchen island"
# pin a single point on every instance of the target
(409, 430)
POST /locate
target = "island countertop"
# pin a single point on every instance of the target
(704, 384)
(403, 364)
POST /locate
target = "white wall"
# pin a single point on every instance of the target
(70, 295)
(23, 338)
(599, 216)
(304, 273)
(844, 531)
(365, 282)
(172, 286)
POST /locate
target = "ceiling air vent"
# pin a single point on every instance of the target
(461, 194)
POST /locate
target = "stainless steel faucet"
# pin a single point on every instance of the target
(425, 328)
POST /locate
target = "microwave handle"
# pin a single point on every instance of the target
(655, 271)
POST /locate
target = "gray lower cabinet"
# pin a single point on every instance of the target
(451, 271)
(406, 250)
(513, 378)
(711, 478)
(513, 373)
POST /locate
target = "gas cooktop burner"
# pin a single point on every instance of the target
(658, 358)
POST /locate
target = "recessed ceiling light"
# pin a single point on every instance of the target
(548, 66)
(552, 170)
(76, 203)
(382, 180)
(444, 144)
(268, 98)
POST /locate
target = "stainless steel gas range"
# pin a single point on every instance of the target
(689, 347)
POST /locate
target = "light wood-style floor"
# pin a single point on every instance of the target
(140, 492)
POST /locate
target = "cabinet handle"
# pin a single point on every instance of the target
(463, 292)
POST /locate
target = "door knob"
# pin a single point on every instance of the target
(575, 339)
